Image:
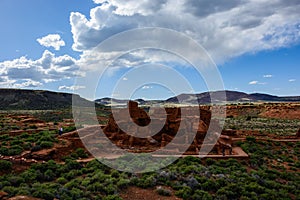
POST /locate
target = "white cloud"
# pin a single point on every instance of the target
(49, 80)
(125, 79)
(146, 87)
(268, 76)
(257, 83)
(24, 72)
(28, 83)
(5, 82)
(131, 7)
(72, 88)
(226, 30)
(51, 40)
(253, 83)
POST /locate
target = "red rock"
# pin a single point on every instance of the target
(3, 194)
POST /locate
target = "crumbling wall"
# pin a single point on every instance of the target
(173, 126)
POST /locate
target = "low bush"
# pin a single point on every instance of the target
(199, 194)
(123, 183)
(62, 180)
(46, 144)
(184, 193)
(5, 165)
(81, 153)
(163, 191)
(15, 150)
(112, 197)
(36, 148)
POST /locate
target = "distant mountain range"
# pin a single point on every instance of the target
(16, 99)
(205, 98)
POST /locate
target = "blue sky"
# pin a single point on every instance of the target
(51, 45)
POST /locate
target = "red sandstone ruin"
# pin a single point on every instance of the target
(166, 135)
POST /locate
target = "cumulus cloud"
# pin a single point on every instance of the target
(25, 72)
(131, 7)
(72, 88)
(51, 40)
(292, 80)
(225, 29)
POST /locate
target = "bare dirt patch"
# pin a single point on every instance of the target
(142, 194)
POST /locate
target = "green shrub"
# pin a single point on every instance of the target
(15, 150)
(62, 180)
(184, 193)
(110, 189)
(199, 194)
(96, 165)
(250, 139)
(47, 137)
(76, 193)
(44, 194)
(49, 175)
(123, 183)
(4, 183)
(16, 142)
(30, 175)
(95, 187)
(36, 148)
(24, 135)
(210, 161)
(163, 191)
(30, 139)
(146, 181)
(5, 165)
(112, 197)
(114, 173)
(4, 151)
(69, 129)
(46, 144)
(70, 175)
(73, 164)
(27, 146)
(81, 153)
(15, 180)
(4, 137)
(12, 191)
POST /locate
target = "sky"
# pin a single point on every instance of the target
(150, 49)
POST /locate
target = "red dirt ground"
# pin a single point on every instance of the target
(143, 194)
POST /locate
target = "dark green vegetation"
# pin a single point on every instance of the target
(279, 127)
(53, 115)
(15, 145)
(272, 172)
(16, 99)
(13, 121)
